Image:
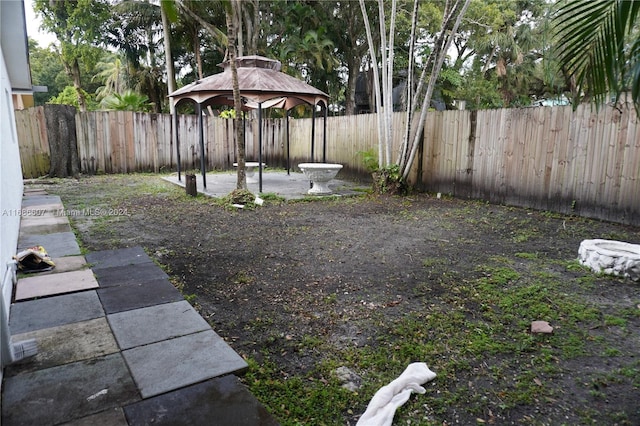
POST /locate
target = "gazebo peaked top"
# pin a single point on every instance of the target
(260, 80)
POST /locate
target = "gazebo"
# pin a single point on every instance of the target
(262, 85)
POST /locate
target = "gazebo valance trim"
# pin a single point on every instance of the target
(284, 100)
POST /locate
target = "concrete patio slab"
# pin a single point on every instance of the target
(45, 209)
(221, 401)
(66, 344)
(68, 392)
(54, 311)
(171, 364)
(118, 257)
(68, 264)
(52, 284)
(58, 244)
(110, 417)
(122, 275)
(34, 191)
(43, 225)
(289, 186)
(138, 295)
(150, 325)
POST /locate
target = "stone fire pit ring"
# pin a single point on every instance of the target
(611, 257)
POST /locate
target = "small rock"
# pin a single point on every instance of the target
(348, 378)
(542, 327)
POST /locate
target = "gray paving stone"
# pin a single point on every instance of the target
(121, 275)
(66, 344)
(68, 392)
(34, 200)
(44, 209)
(43, 225)
(118, 257)
(54, 311)
(36, 285)
(150, 325)
(34, 191)
(223, 401)
(140, 295)
(171, 364)
(67, 264)
(111, 417)
(58, 244)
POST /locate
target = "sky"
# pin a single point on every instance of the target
(33, 26)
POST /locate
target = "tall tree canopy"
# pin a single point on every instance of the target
(497, 59)
(79, 28)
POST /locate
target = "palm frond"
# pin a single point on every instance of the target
(592, 41)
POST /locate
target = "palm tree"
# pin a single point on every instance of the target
(112, 76)
(127, 101)
(598, 44)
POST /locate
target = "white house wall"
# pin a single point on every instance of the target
(10, 198)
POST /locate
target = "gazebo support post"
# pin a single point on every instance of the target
(313, 131)
(288, 145)
(324, 137)
(201, 137)
(260, 147)
(176, 135)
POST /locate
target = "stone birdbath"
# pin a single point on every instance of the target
(611, 257)
(320, 174)
(249, 170)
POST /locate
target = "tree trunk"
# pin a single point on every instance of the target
(232, 13)
(73, 70)
(350, 95)
(60, 122)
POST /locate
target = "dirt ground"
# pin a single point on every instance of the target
(263, 279)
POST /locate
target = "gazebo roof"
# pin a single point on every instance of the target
(260, 81)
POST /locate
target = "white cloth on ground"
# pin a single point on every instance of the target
(386, 401)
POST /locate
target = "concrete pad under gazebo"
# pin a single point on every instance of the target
(290, 186)
(262, 85)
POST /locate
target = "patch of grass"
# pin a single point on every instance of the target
(191, 298)
(239, 197)
(243, 278)
(272, 198)
(530, 256)
(614, 321)
(314, 398)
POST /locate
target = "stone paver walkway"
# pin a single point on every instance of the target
(117, 343)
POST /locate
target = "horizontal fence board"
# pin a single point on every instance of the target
(584, 162)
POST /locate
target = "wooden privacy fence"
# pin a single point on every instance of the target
(122, 142)
(34, 144)
(579, 162)
(584, 162)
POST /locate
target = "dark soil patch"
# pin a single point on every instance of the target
(296, 284)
